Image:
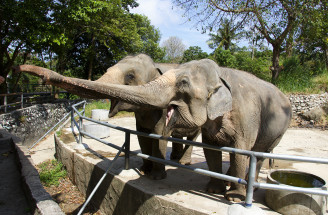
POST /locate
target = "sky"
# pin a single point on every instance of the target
(170, 21)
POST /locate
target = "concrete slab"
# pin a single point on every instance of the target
(181, 188)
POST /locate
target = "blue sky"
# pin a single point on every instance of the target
(169, 20)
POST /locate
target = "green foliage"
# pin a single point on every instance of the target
(51, 172)
(193, 53)
(224, 58)
(295, 78)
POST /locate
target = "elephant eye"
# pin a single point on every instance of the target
(129, 79)
(183, 84)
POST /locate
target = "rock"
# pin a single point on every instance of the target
(315, 114)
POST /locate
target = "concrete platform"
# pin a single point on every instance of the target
(182, 192)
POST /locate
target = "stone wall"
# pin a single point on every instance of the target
(31, 123)
(304, 103)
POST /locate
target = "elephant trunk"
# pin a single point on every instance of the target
(155, 94)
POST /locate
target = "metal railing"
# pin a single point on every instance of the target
(25, 99)
(250, 183)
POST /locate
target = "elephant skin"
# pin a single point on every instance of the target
(232, 108)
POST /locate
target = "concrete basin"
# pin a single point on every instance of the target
(293, 203)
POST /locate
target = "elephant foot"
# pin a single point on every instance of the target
(236, 195)
(216, 186)
(185, 161)
(145, 169)
(157, 174)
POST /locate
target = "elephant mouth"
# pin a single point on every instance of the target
(171, 111)
(113, 108)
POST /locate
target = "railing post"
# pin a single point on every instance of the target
(250, 182)
(127, 150)
(80, 128)
(22, 100)
(72, 118)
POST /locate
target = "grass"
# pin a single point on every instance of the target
(103, 104)
(51, 172)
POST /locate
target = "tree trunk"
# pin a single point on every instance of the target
(275, 69)
(326, 54)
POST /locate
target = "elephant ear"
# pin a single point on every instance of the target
(219, 101)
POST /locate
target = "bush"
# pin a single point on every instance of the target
(295, 78)
(224, 58)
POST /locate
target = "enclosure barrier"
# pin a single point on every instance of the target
(28, 97)
(250, 183)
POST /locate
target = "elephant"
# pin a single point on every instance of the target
(231, 107)
(138, 70)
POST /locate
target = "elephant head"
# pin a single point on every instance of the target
(192, 93)
(131, 70)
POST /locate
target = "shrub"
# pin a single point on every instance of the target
(51, 172)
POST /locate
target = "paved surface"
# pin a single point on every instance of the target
(295, 142)
(11, 191)
(303, 142)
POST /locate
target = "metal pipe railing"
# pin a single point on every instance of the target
(250, 183)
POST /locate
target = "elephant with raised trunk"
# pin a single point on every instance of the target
(138, 70)
(232, 108)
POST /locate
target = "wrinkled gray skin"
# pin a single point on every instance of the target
(232, 108)
(138, 70)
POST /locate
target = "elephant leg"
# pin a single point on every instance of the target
(214, 162)
(237, 192)
(177, 150)
(146, 148)
(158, 150)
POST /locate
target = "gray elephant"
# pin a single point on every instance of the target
(232, 108)
(138, 70)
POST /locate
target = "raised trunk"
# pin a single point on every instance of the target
(155, 94)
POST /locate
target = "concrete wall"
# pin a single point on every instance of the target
(31, 123)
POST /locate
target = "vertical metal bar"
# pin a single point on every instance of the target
(22, 100)
(250, 182)
(127, 150)
(5, 103)
(80, 128)
(72, 118)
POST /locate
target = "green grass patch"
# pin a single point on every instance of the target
(103, 104)
(51, 172)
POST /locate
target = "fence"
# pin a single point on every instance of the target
(250, 183)
(21, 100)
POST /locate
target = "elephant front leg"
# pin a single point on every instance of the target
(177, 150)
(158, 150)
(146, 148)
(237, 192)
(214, 162)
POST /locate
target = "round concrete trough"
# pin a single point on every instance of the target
(95, 129)
(293, 203)
(100, 114)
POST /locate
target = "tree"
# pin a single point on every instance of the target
(226, 33)
(174, 49)
(150, 38)
(313, 36)
(17, 34)
(273, 19)
(193, 53)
